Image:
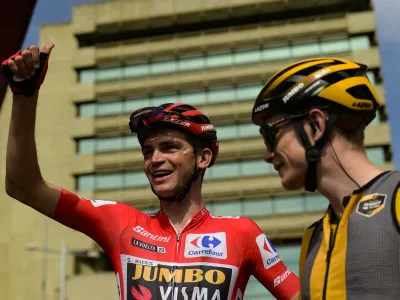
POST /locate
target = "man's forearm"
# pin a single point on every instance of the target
(22, 168)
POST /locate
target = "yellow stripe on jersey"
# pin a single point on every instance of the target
(336, 288)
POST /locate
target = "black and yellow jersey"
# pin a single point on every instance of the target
(357, 256)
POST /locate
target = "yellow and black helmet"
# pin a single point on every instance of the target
(308, 83)
(335, 84)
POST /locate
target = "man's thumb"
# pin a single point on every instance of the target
(47, 48)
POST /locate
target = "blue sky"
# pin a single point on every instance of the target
(388, 25)
(50, 11)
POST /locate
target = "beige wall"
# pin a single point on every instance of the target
(93, 286)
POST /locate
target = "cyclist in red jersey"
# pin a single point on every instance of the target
(180, 252)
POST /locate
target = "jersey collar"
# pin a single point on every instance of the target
(197, 219)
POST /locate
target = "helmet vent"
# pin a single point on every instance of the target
(361, 92)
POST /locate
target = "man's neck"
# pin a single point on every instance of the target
(335, 184)
(181, 213)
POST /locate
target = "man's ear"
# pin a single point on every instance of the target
(318, 123)
(204, 158)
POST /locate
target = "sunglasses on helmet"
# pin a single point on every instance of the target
(144, 117)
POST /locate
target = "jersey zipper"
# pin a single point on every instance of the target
(178, 240)
(172, 284)
(332, 239)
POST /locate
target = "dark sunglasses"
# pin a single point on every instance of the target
(268, 131)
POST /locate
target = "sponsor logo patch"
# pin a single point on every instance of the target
(268, 252)
(292, 92)
(362, 104)
(370, 205)
(97, 203)
(225, 217)
(278, 280)
(207, 127)
(167, 282)
(261, 107)
(206, 245)
(319, 74)
(176, 121)
(154, 237)
(147, 246)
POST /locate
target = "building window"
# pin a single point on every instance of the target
(129, 142)
(218, 60)
(86, 145)
(107, 144)
(335, 46)
(271, 206)
(87, 109)
(109, 108)
(220, 95)
(249, 56)
(376, 155)
(226, 59)
(137, 70)
(219, 171)
(223, 94)
(309, 49)
(276, 53)
(190, 63)
(163, 67)
(87, 75)
(104, 74)
(360, 43)
(193, 97)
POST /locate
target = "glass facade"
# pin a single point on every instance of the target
(215, 95)
(218, 171)
(209, 60)
(130, 142)
(121, 143)
(222, 94)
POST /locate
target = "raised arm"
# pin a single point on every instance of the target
(25, 72)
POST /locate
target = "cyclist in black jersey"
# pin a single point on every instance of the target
(312, 115)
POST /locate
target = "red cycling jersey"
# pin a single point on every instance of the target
(212, 258)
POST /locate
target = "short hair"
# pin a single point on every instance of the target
(351, 125)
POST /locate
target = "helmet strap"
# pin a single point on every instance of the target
(313, 152)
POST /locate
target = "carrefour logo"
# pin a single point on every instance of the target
(207, 241)
(268, 252)
(209, 245)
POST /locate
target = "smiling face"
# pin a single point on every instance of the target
(288, 157)
(168, 160)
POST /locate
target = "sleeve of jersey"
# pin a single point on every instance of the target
(100, 220)
(267, 266)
